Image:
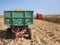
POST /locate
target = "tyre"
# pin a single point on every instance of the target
(29, 33)
(9, 34)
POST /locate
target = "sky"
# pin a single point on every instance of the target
(38, 6)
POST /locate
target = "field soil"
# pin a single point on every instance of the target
(43, 33)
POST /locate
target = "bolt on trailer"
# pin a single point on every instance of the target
(18, 22)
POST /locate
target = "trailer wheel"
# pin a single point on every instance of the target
(29, 33)
(9, 34)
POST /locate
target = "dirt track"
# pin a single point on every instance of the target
(43, 33)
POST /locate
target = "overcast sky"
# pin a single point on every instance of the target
(38, 6)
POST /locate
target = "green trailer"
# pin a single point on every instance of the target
(18, 21)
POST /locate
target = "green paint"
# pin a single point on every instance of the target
(18, 18)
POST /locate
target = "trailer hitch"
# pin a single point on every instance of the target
(18, 32)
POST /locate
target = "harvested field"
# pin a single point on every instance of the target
(43, 33)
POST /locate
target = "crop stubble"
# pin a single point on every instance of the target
(43, 33)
